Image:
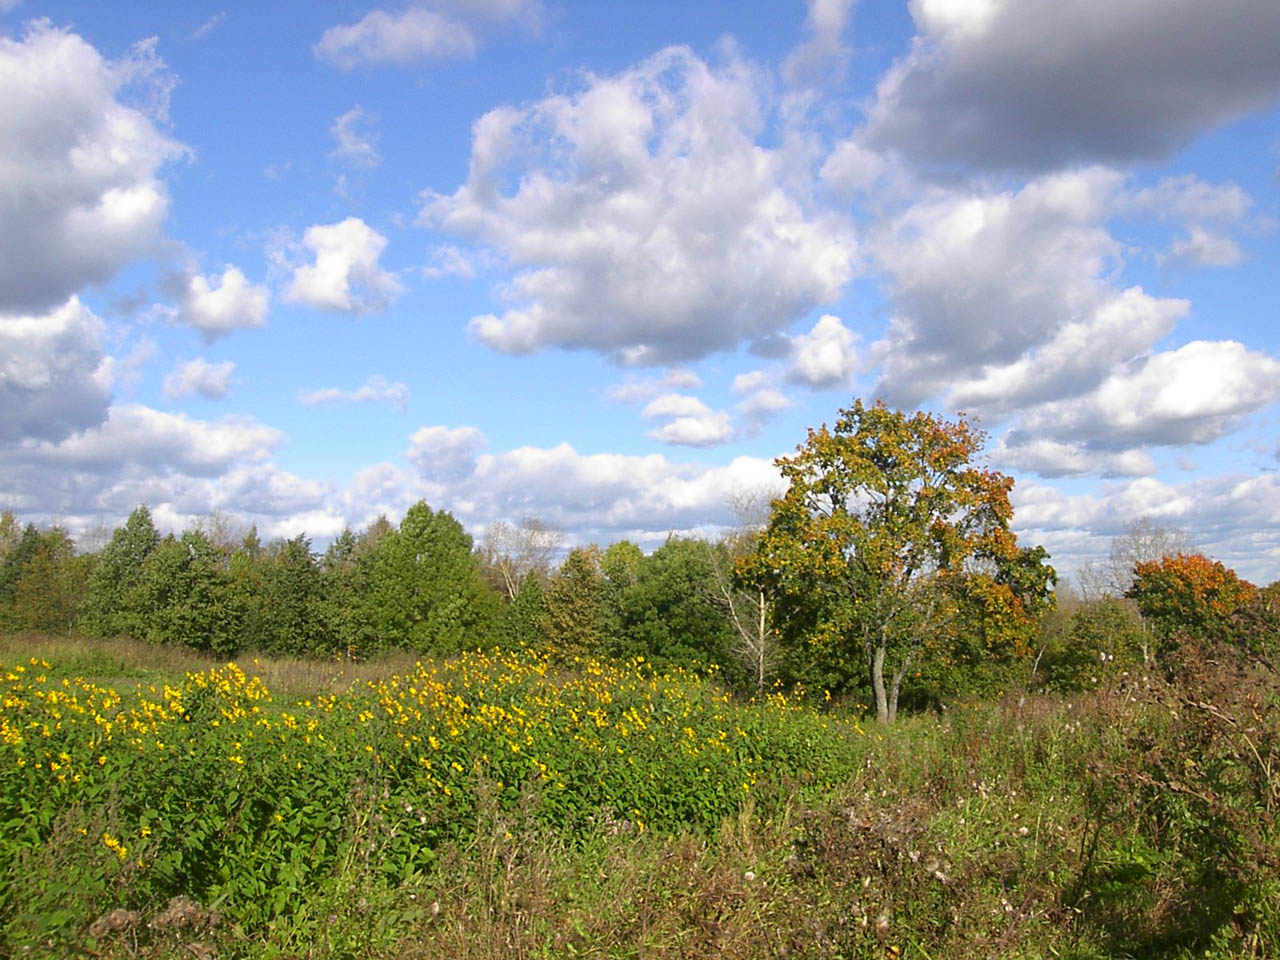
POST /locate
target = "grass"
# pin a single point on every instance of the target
(1135, 821)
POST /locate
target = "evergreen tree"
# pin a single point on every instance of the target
(424, 588)
(113, 602)
(291, 595)
(341, 607)
(574, 604)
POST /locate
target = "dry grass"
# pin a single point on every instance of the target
(120, 661)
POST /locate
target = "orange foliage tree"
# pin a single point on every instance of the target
(1189, 593)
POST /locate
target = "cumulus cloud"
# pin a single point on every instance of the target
(690, 422)
(444, 453)
(356, 143)
(54, 378)
(211, 380)
(1208, 211)
(1079, 355)
(657, 172)
(1232, 518)
(218, 305)
(138, 436)
(637, 389)
(593, 497)
(760, 406)
(1193, 394)
(825, 356)
(1005, 84)
(823, 52)
(345, 277)
(441, 30)
(376, 389)
(381, 37)
(1187, 197)
(1203, 248)
(81, 183)
(448, 260)
(994, 294)
(1021, 451)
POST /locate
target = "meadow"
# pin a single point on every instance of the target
(156, 803)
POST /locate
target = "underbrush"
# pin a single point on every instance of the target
(494, 806)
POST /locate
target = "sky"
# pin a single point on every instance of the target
(301, 264)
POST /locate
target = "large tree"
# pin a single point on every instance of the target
(424, 587)
(881, 513)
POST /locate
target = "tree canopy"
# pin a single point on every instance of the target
(882, 513)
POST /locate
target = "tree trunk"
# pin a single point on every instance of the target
(877, 684)
(897, 685)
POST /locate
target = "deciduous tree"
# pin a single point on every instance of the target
(879, 512)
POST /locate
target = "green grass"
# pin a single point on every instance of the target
(1137, 821)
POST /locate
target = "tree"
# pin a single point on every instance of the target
(1143, 540)
(519, 623)
(188, 596)
(665, 612)
(113, 603)
(1100, 637)
(291, 591)
(1189, 593)
(41, 581)
(573, 605)
(344, 575)
(512, 553)
(424, 587)
(879, 514)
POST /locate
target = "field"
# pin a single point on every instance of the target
(503, 805)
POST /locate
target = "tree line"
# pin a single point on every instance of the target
(888, 570)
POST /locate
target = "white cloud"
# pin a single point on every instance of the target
(761, 406)
(655, 172)
(593, 497)
(380, 37)
(746, 382)
(54, 379)
(1203, 248)
(345, 277)
(825, 356)
(80, 182)
(217, 305)
(356, 143)
(1193, 394)
(852, 168)
(1231, 518)
(1053, 458)
(692, 423)
(139, 436)
(376, 389)
(435, 30)
(639, 389)
(211, 380)
(1189, 198)
(823, 54)
(1080, 354)
(995, 294)
(1015, 84)
(448, 260)
(445, 454)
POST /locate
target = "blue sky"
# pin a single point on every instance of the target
(300, 264)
